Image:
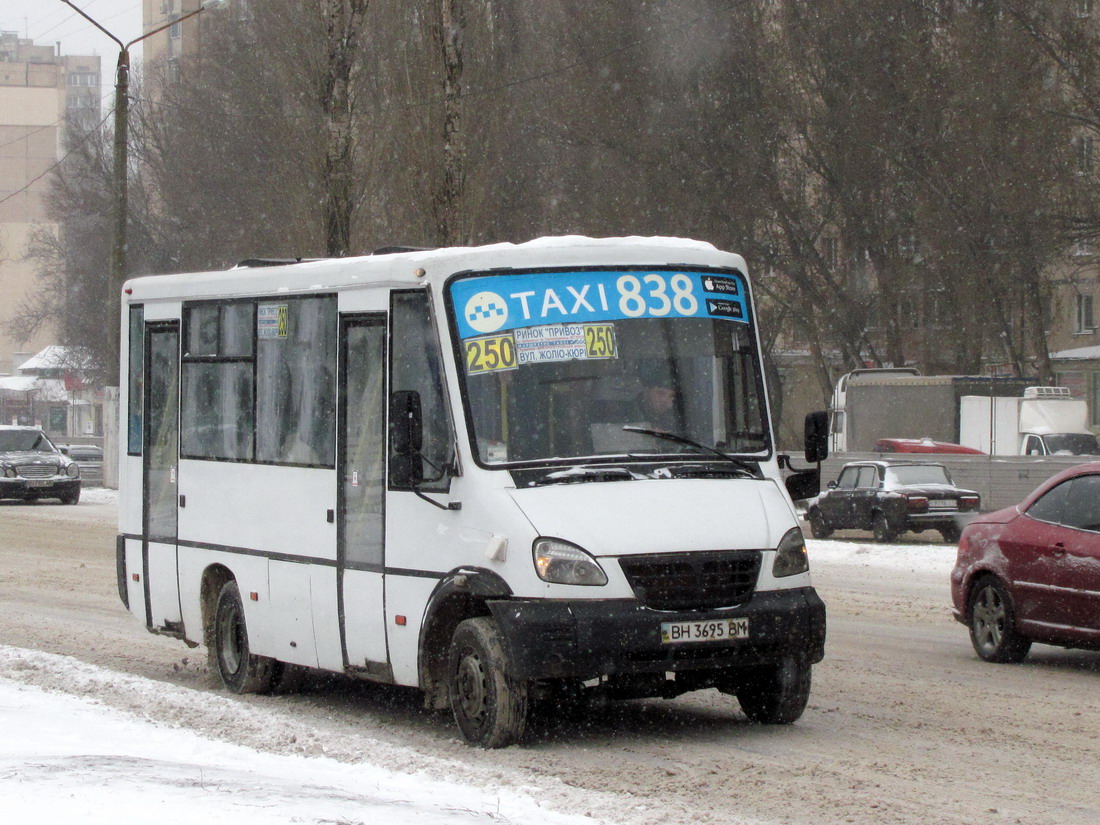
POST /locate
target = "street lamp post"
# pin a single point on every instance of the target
(119, 194)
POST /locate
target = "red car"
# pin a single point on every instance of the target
(1031, 572)
(922, 445)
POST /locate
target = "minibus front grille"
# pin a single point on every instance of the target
(693, 581)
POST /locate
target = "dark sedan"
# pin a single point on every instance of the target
(1031, 572)
(31, 467)
(891, 497)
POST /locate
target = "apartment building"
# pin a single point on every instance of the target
(39, 91)
(165, 50)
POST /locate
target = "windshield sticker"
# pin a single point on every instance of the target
(271, 321)
(492, 353)
(498, 303)
(565, 342)
(539, 345)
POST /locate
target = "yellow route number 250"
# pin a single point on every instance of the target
(491, 353)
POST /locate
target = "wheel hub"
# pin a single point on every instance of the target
(471, 686)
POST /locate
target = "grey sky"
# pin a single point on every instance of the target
(50, 21)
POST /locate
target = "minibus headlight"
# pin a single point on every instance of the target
(563, 563)
(790, 556)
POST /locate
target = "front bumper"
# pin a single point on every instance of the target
(24, 488)
(584, 639)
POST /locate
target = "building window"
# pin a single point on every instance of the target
(1084, 314)
(1095, 405)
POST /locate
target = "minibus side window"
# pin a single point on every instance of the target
(296, 382)
(217, 410)
(135, 380)
(415, 365)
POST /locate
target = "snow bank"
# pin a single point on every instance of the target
(933, 559)
(65, 759)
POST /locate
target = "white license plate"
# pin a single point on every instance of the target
(716, 630)
(38, 482)
(941, 505)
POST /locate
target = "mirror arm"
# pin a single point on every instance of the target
(450, 505)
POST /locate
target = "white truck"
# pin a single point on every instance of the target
(1046, 421)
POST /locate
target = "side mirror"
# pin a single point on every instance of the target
(817, 436)
(831, 485)
(406, 439)
(803, 484)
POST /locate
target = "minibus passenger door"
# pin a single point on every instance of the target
(160, 468)
(362, 473)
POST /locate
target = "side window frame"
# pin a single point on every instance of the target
(189, 362)
(1047, 500)
(437, 411)
(849, 472)
(135, 377)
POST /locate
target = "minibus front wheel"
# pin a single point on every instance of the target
(489, 706)
(776, 694)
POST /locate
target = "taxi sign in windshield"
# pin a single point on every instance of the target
(489, 304)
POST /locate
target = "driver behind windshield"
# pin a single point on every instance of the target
(657, 400)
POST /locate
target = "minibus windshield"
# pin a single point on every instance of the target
(554, 364)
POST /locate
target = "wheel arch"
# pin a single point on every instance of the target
(214, 579)
(461, 594)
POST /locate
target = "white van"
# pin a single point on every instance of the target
(499, 474)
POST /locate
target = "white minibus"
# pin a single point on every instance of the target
(507, 475)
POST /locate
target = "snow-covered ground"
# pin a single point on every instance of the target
(68, 759)
(932, 559)
(67, 755)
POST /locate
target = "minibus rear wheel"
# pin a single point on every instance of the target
(489, 706)
(241, 671)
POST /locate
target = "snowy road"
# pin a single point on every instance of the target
(905, 725)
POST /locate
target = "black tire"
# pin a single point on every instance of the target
(951, 534)
(241, 671)
(884, 533)
(489, 706)
(993, 623)
(777, 694)
(71, 498)
(819, 529)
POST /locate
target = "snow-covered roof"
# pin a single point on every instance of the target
(1078, 354)
(46, 389)
(55, 357)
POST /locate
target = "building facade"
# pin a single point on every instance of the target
(40, 92)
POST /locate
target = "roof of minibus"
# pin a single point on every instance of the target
(404, 269)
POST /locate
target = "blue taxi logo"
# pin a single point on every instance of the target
(486, 312)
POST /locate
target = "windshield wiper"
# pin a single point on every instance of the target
(580, 475)
(744, 466)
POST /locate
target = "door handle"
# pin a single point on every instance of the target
(1058, 550)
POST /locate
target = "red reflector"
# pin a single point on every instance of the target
(399, 621)
(137, 577)
(254, 596)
